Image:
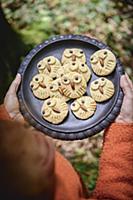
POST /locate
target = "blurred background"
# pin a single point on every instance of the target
(26, 23)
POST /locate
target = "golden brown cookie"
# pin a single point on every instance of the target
(54, 110)
(73, 55)
(55, 90)
(83, 107)
(103, 62)
(59, 73)
(102, 89)
(48, 65)
(39, 86)
(80, 67)
(73, 85)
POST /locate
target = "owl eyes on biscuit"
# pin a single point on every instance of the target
(83, 67)
(103, 54)
(93, 59)
(39, 65)
(54, 78)
(54, 87)
(102, 81)
(73, 67)
(50, 60)
(95, 85)
(77, 79)
(38, 79)
(51, 103)
(79, 53)
(46, 112)
(75, 106)
(33, 86)
(59, 84)
(66, 81)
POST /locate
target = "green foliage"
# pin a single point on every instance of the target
(88, 172)
(109, 21)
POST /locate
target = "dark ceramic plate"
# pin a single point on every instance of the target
(71, 128)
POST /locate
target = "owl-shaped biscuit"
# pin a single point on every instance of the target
(101, 89)
(59, 73)
(103, 62)
(55, 90)
(73, 85)
(83, 107)
(48, 65)
(80, 67)
(39, 86)
(54, 110)
(73, 55)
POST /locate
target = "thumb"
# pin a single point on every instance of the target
(15, 84)
(125, 86)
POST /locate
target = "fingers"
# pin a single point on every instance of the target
(129, 81)
(126, 85)
(15, 84)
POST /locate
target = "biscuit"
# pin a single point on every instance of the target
(48, 65)
(83, 107)
(80, 67)
(54, 110)
(55, 90)
(73, 55)
(103, 62)
(102, 89)
(39, 86)
(73, 85)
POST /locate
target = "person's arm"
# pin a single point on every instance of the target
(10, 109)
(11, 103)
(115, 179)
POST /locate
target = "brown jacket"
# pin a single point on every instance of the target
(115, 181)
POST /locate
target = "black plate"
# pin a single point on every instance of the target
(71, 128)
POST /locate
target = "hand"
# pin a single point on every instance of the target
(11, 101)
(126, 112)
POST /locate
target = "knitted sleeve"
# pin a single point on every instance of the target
(115, 181)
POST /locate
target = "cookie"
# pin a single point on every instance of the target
(84, 107)
(55, 90)
(54, 110)
(80, 67)
(102, 89)
(39, 86)
(48, 65)
(103, 62)
(73, 55)
(59, 73)
(73, 85)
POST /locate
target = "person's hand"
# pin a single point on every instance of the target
(11, 101)
(126, 112)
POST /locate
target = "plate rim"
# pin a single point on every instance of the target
(73, 135)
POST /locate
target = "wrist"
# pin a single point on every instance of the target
(4, 115)
(124, 120)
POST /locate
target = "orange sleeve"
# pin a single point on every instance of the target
(68, 185)
(3, 113)
(116, 164)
